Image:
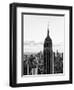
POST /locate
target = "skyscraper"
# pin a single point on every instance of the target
(48, 54)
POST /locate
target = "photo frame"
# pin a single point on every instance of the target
(40, 44)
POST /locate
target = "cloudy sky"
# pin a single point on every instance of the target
(35, 32)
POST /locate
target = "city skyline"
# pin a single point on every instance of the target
(46, 62)
(31, 46)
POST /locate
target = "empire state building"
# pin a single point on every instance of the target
(48, 54)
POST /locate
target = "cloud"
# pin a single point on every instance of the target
(32, 43)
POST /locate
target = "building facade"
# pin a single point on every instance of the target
(48, 65)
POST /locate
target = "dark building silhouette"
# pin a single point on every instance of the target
(48, 54)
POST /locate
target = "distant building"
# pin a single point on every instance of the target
(58, 62)
(48, 55)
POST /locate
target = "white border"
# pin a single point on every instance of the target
(42, 78)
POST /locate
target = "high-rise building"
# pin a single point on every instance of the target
(48, 54)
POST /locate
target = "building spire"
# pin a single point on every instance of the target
(48, 30)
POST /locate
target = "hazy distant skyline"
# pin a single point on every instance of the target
(35, 32)
(37, 47)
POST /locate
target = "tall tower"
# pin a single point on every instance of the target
(48, 54)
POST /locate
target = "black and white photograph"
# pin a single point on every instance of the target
(43, 44)
(40, 44)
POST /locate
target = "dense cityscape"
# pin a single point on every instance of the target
(34, 64)
(43, 62)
